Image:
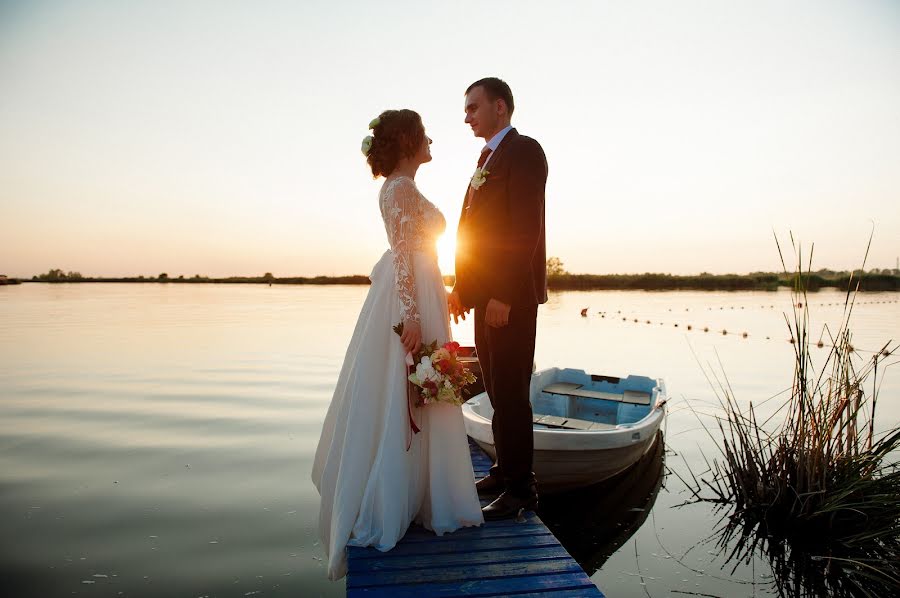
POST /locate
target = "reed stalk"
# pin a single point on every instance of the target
(819, 494)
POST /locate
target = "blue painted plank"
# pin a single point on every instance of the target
(467, 544)
(502, 539)
(525, 528)
(491, 556)
(496, 559)
(480, 459)
(449, 546)
(528, 517)
(505, 586)
(461, 573)
(474, 533)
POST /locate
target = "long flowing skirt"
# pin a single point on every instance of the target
(371, 486)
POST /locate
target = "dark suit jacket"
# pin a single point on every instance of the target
(500, 246)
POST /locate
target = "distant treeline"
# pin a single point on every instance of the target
(267, 278)
(756, 281)
(560, 280)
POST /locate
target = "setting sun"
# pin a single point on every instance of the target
(446, 246)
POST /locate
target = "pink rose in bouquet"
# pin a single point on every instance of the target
(438, 373)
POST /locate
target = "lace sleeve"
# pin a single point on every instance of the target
(401, 212)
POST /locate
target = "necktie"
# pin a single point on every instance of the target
(485, 153)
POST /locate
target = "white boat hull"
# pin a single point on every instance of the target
(560, 471)
(565, 459)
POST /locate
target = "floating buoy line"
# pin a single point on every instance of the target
(743, 334)
(799, 305)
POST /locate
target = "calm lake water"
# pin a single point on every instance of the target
(157, 439)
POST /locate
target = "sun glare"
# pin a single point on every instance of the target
(446, 246)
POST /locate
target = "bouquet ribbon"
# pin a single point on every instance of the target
(411, 392)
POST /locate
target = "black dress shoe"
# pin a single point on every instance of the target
(490, 485)
(508, 506)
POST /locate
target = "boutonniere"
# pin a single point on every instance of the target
(479, 178)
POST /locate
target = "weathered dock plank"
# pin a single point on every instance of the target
(448, 544)
(493, 556)
(441, 573)
(500, 558)
(545, 586)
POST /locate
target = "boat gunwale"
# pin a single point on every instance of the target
(567, 439)
(556, 438)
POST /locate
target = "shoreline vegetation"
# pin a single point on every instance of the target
(818, 494)
(557, 280)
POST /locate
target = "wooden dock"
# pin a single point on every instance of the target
(500, 558)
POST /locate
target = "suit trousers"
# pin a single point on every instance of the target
(506, 356)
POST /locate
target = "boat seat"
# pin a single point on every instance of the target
(577, 390)
(570, 423)
(549, 420)
(569, 389)
(562, 387)
(636, 398)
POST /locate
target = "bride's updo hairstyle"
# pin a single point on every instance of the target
(397, 134)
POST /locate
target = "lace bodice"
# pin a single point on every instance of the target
(412, 224)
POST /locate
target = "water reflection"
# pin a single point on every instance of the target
(805, 566)
(141, 423)
(592, 523)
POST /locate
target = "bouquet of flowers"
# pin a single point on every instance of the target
(438, 373)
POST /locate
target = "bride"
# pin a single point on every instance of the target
(373, 473)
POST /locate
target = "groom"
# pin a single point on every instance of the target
(501, 272)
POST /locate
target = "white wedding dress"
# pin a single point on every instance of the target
(371, 486)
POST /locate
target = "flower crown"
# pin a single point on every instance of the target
(368, 139)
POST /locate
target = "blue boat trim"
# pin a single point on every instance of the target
(499, 558)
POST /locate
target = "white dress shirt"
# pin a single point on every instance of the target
(494, 142)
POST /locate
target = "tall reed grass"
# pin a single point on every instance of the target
(819, 494)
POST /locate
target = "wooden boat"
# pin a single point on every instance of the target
(587, 428)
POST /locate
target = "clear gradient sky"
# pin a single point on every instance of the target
(220, 138)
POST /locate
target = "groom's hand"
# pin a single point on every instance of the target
(456, 307)
(496, 314)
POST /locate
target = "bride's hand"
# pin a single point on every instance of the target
(412, 336)
(457, 310)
